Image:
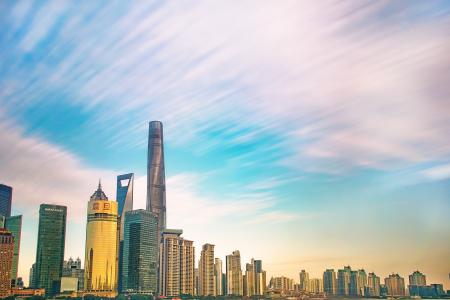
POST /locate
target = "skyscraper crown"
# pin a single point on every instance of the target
(99, 194)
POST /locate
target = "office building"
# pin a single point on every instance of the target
(395, 285)
(206, 271)
(5, 200)
(234, 274)
(72, 268)
(140, 252)
(156, 182)
(14, 225)
(329, 282)
(124, 195)
(218, 277)
(343, 279)
(100, 274)
(50, 247)
(304, 281)
(6, 261)
(373, 286)
(187, 267)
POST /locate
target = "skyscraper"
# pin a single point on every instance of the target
(169, 262)
(373, 286)
(6, 260)
(234, 274)
(100, 274)
(329, 282)
(156, 182)
(206, 271)
(260, 277)
(395, 285)
(14, 225)
(304, 280)
(218, 277)
(50, 247)
(344, 281)
(5, 200)
(187, 267)
(417, 278)
(140, 252)
(124, 195)
(249, 279)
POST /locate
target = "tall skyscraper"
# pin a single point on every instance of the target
(417, 278)
(156, 182)
(329, 282)
(100, 274)
(187, 267)
(249, 279)
(124, 195)
(218, 277)
(234, 274)
(176, 264)
(304, 280)
(206, 271)
(260, 277)
(50, 247)
(14, 225)
(373, 286)
(6, 261)
(395, 285)
(344, 281)
(5, 200)
(140, 252)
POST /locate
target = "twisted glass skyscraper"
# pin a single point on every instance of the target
(156, 182)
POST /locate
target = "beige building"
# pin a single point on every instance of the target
(315, 285)
(187, 267)
(249, 280)
(304, 281)
(206, 271)
(234, 274)
(395, 285)
(100, 276)
(218, 277)
(281, 284)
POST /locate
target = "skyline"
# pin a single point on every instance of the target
(261, 136)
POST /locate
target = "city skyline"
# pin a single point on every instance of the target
(322, 128)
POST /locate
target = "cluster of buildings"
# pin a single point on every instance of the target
(131, 251)
(356, 283)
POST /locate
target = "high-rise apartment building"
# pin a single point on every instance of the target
(206, 271)
(315, 285)
(156, 182)
(187, 267)
(72, 268)
(330, 282)
(373, 286)
(124, 195)
(249, 280)
(395, 285)
(358, 282)
(218, 277)
(234, 274)
(101, 255)
(304, 281)
(281, 284)
(6, 261)
(50, 247)
(14, 225)
(140, 252)
(344, 281)
(417, 278)
(260, 277)
(5, 200)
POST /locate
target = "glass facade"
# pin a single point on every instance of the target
(156, 183)
(14, 225)
(100, 272)
(140, 252)
(5, 200)
(50, 247)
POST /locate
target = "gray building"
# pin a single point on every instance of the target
(156, 182)
(124, 196)
(5, 200)
(72, 268)
(140, 252)
(50, 247)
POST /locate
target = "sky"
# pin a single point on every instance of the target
(308, 134)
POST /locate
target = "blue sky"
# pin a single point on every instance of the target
(310, 135)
